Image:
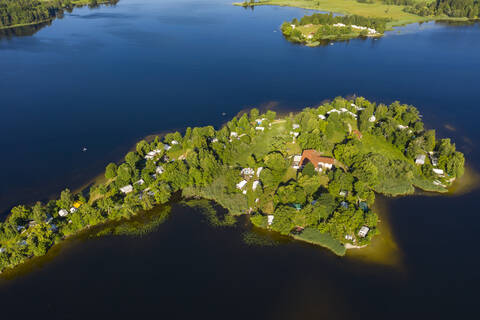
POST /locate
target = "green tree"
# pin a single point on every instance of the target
(111, 171)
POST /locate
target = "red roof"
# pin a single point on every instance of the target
(314, 157)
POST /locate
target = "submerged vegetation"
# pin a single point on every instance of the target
(311, 175)
(25, 12)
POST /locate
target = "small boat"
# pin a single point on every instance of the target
(84, 149)
(224, 114)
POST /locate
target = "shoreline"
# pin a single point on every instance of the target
(390, 26)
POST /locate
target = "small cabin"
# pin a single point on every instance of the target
(126, 189)
(241, 184)
(363, 231)
(420, 159)
(255, 184)
(62, 213)
(438, 171)
(270, 219)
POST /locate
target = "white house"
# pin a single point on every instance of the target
(295, 126)
(363, 231)
(372, 119)
(420, 159)
(270, 219)
(2, 250)
(296, 161)
(294, 134)
(174, 142)
(62, 212)
(214, 140)
(293, 26)
(159, 170)
(259, 169)
(333, 111)
(438, 171)
(247, 172)
(241, 184)
(140, 182)
(260, 128)
(233, 134)
(402, 127)
(255, 185)
(321, 116)
(167, 147)
(339, 25)
(73, 210)
(126, 189)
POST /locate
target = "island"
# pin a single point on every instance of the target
(365, 18)
(311, 175)
(18, 13)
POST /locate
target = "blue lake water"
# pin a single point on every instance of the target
(104, 78)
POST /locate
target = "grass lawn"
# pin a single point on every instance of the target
(374, 144)
(261, 144)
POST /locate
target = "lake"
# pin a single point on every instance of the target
(104, 78)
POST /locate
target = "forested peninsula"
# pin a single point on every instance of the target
(365, 18)
(15, 13)
(312, 175)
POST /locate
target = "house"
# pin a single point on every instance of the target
(363, 231)
(260, 128)
(339, 25)
(333, 111)
(320, 163)
(348, 237)
(420, 159)
(270, 219)
(241, 184)
(126, 189)
(73, 210)
(372, 118)
(214, 140)
(310, 36)
(321, 116)
(140, 182)
(402, 127)
(255, 185)
(363, 205)
(249, 172)
(20, 228)
(233, 134)
(174, 142)
(62, 212)
(294, 134)
(167, 147)
(296, 161)
(438, 171)
(297, 206)
(293, 26)
(295, 126)
(159, 170)
(343, 193)
(2, 250)
(259, 169)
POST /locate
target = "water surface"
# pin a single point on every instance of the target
(105, 78)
